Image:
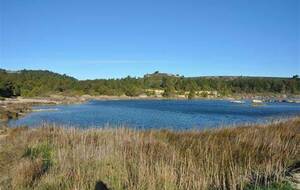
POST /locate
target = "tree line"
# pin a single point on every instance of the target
(29, 83)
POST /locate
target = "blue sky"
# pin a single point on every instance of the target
(115, 38)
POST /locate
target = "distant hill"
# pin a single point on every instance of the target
(158, 74)
(33, 82)
(43, 82)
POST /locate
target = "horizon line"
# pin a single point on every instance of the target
(139, 76)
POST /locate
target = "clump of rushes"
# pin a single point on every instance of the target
(32, 166)
(273, 186)
(245, 157)
(42, 151)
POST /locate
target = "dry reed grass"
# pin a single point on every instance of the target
(228, 158)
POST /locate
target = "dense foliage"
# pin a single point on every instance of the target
(33, 83)
(40, 83)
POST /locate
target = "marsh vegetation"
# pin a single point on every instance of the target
(56, 157)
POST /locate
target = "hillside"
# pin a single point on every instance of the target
(28, 83)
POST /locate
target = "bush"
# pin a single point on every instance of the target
(192, 94)
(204, 94)
(169, 92)
(150, 93)
(132, 91)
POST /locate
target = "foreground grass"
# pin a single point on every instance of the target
(51, 157)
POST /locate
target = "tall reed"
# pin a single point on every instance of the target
(122, 158)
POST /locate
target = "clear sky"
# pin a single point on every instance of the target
(116, 38)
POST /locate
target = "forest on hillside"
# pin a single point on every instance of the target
(30, 83)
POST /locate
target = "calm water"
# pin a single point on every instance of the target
(176, 114)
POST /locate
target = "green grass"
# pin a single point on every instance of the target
(273, 186)
(44, 151)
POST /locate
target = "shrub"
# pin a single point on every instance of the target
(192, 94)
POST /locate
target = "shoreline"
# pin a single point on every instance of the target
(13, 108)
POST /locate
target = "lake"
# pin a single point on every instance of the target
(174, 114)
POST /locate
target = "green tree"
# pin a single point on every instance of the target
(6, 89)
(168, 92)
(168, 85)
(204, 94)
(192, 94)
(39, 83)
(132, 91)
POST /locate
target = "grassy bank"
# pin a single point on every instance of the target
(51, 157)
